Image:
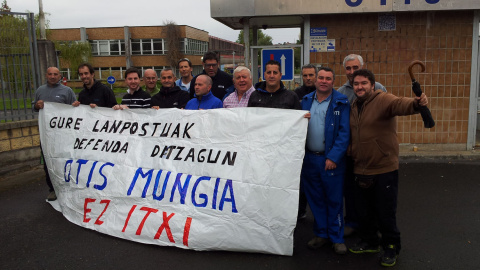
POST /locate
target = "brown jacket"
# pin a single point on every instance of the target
(374, 132)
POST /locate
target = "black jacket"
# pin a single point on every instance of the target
(221, 82)
(99, 94)
(170, 98)
(303, 91)
(282, 98)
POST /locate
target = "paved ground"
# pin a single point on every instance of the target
(438, 215)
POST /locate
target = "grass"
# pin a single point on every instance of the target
(6, 105)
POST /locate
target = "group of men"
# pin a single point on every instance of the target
(351, 149)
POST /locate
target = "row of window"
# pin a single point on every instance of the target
(151, 46)
(118, 72)
(104, 72)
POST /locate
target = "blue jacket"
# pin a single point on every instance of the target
(337, 127)
(209, 101)
(179, 84)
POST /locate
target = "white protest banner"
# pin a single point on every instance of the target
(223, 179)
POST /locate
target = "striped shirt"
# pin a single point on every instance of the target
(139, 99)
(232, 100)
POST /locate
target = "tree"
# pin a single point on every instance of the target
(173, 43)
(263, 39)
(5, 7)
(73, 53)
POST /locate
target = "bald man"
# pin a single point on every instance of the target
(53, 91)
(150, 79)
(204, 98)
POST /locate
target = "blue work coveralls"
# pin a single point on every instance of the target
(324, 189)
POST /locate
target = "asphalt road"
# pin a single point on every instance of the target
(438, 216)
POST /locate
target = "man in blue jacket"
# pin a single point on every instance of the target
(323, 168)
(204, 99)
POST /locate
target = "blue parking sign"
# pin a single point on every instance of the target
(284, 57)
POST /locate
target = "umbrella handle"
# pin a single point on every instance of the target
(413, 63)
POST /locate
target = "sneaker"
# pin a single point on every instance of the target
(340, 248)
(364, 247)
(317, 242)
(389, 257)
(52, 196)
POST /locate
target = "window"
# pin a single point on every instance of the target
(193, 46)
(147, 46)
(108, 47)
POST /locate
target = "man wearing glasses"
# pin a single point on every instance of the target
(185, 68)
(220, 79)
(150, 79)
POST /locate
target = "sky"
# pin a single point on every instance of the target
(101, 13)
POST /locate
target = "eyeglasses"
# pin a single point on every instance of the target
(210, 65)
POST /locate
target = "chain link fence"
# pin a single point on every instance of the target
(17, 66)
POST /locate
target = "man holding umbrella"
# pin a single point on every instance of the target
(375, 153)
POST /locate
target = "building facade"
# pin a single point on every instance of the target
(231, 54)
(389, 35)
(114, 49)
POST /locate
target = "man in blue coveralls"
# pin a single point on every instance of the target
(323, 168)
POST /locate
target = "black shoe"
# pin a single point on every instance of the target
(52, 196)
(389, 257)
(364, 247)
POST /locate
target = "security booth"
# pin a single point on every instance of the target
(389, 35)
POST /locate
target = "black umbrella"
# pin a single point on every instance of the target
(428, 121)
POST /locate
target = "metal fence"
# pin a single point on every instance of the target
(18, 57)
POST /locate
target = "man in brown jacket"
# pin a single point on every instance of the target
(375, 150)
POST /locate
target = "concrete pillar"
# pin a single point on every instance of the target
(47, 57)
(128, 54)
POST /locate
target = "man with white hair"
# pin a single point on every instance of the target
(351, 63)
(242, 81)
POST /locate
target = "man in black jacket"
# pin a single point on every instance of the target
(94, 92)
(221, 80)
(170, 95)
(309, 73)
(271, 93)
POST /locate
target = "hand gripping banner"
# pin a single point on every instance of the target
(224, 179)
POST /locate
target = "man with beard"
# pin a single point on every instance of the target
(375, 151)
(94, 92)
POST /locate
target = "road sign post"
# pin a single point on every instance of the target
(111, 80)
